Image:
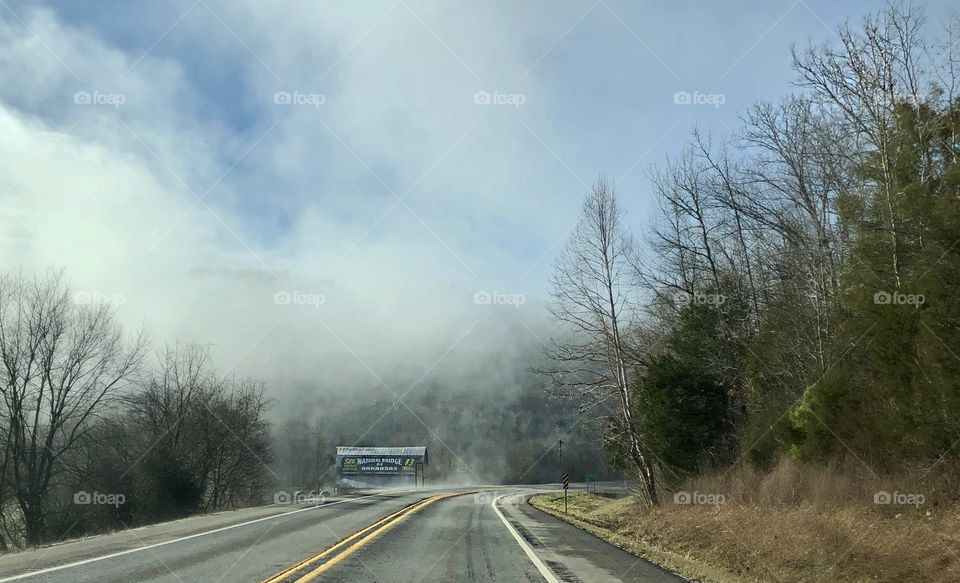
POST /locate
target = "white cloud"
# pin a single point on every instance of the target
(110, 192)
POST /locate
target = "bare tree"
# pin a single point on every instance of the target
(183, 381)
(593, 284)
(62, 364)
(860, 84)
(236, 444)
(209, 429)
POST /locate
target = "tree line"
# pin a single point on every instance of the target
(95, 435)
(797, 291)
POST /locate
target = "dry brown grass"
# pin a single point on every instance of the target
(796, 523)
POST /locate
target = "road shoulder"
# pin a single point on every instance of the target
(679, 566)
(575, 554)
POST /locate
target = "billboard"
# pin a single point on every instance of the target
(363, 464)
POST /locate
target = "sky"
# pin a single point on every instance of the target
(329, 191)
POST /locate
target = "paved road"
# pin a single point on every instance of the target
(490, 534)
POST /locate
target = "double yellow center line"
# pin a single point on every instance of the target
(347, 546)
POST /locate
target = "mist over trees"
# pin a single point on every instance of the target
(486, 424)
(797, 292)
(101, 431)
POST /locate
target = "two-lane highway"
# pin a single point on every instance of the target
(458, 538)
(482, 534)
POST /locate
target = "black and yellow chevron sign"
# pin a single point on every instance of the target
(566, 481)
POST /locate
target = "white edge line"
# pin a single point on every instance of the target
(181, 539)
(546, 572)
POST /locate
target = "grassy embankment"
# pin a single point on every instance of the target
(794, 524)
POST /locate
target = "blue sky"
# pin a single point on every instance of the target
(398, 197)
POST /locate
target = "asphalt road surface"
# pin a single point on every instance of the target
(464, 534)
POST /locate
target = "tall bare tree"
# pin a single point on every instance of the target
(62, 364)
(593, 289)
